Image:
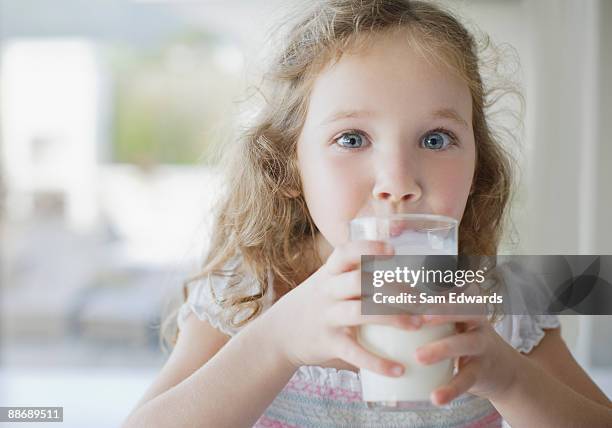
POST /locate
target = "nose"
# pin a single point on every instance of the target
(397, 184)
(395, 194)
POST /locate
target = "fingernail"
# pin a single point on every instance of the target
(416, 320)
(397, 370)
(440, 396)
(420, 355)
(435, 399)
(389, 249)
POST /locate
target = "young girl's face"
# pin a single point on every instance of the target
(384, 126)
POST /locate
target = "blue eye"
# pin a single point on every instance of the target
(350, 140)
(437, 140)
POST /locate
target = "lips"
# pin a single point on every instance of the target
(395, 229)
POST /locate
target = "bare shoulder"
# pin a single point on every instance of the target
(553, 355)
(197, 343)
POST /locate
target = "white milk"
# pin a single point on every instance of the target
(418, 381)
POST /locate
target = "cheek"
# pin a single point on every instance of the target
(333, 192)
(449, 188)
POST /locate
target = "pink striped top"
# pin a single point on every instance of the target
(326, 397)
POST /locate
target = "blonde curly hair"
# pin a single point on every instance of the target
(263, 215)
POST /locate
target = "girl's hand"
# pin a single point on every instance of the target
(486, 363)
(317, 321)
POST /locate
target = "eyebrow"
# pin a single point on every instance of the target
(347, 114)
(449, 113)
(443, 113)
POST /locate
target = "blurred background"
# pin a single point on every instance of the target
(110, 112)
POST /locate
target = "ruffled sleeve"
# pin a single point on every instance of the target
(201, 301)
(524, 331)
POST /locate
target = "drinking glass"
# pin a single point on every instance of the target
(409, 234)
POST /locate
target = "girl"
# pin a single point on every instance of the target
(369, 100)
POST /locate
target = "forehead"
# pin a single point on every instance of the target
(389, 73)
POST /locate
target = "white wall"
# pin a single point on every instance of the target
(564, 205)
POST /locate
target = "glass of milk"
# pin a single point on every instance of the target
(410, 234)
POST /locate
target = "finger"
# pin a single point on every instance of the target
(470, 320)
(348, 256)
(346, 286)
(459, 384)
(456, 345)
(353, 353)
(457, 307)
(348, 313)
(471, 325)
(462, 361)
(460, 327)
